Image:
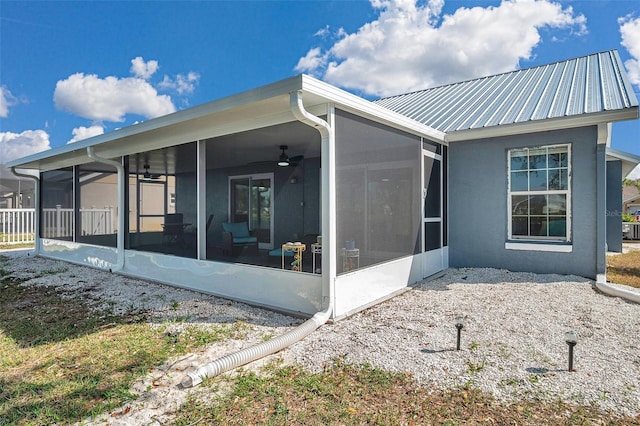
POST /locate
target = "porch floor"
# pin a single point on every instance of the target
(246, 256)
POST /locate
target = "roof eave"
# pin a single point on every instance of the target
(230, 102)
(536, 126)
(186, 125)
(363, 107)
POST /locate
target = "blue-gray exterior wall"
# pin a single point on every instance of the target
(614, 206)
(478, 216)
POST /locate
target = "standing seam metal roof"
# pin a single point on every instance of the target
(589, 84)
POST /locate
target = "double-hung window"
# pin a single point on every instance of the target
(540, 193)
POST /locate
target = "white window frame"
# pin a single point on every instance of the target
(514, 241)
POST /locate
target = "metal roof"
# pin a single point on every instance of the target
(592, 84)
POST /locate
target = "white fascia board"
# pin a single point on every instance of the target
(616, 154)
(543, 125)
(629, 161)
(352, 103)
(77, 149)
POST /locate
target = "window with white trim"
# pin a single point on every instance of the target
(539, 193)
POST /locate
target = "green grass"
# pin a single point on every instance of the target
(361, 394)
(7, 246)
(61, 361)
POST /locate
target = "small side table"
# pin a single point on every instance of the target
(297, 250)
(350, 259)
(315, 249)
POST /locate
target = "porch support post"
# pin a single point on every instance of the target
(121, 204)
(201, 199)
(36, 213)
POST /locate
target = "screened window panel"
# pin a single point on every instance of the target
(432, 201)
(163, 201)
(378, 190)
(57, 204)
(431, 236)
(98, 213)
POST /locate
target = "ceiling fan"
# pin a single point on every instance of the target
(284, 160)
(148, 175)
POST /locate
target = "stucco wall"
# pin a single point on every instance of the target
(478, 205)
(614, 206)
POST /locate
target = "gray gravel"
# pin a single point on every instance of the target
(512, 344)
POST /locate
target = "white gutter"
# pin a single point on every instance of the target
(606, 288)
(36, 215)
(261, 350)
(121, 202)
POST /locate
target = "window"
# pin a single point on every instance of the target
(539, 193)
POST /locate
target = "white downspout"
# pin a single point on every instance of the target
(606, 288)
(36, 215)
(247, 355)
(121, 203)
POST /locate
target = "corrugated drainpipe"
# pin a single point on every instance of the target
(120, 239)
(245, 356)
(36, 215)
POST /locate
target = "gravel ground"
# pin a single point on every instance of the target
(512, 343)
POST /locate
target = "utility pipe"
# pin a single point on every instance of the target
(261, 350)
(121, 202)
(603, 286)
(36, 215)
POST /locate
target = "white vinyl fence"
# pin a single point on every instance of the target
(17, 225)
(631, 230)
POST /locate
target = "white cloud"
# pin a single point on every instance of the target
(142, 69)
(16, 145)
(323, 32)
(410, 47)
(6, 100)
(630, 32)
(110, 98)
(313, 60)
(183, 84)
(82, 132)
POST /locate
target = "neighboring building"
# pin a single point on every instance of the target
(508, 171)
(15, 192)
(631, 199)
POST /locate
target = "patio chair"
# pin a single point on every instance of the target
(237, 235)
(173, 228)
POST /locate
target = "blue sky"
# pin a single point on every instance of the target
(70, 70)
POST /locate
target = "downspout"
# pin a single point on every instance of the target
(606, 288)
(121, 202)
(261, 350)
(36, 215)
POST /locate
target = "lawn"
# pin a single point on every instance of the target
(624, 269)
(363, 395)
(62, 360)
